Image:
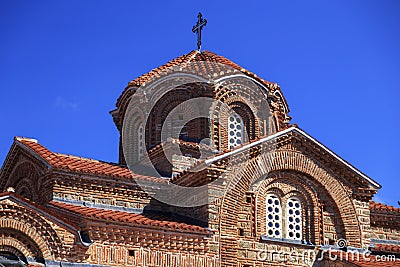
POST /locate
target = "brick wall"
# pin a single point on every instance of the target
(99, 190)
(380, 232)
(35, 235)
(121, 255)
(168, 104)
(363, 214)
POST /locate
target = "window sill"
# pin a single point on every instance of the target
(302, 243)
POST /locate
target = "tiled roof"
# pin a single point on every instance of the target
(375, 206)
(206, 62)
(80, 164)
(40, 208)
(149, 220)
(387, 248)
(203, 63)
(384, 215)
(292, 130)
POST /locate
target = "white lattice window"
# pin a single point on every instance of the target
(235, 128)
(294, 221)
(274, 216)
(140, 135)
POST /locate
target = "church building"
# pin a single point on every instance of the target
(211, 173)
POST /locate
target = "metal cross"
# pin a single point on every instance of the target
(198, 27)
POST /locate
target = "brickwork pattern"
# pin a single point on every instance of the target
(35, 235)
(87, 211)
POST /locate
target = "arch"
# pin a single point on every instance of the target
(11, 255)
(179, 115)
(164, 103)
(25, 188)
(18, 248)
(273, 216)
(31, 226)
(133, 120)
(221, 115)
(235, 129)
(25, 176)
(12, 249)
(289, 184)
(294, 219)
(249, 121)
(151, 92)
(238, 92)
(247, 96)
(29, 233)
(248, 118)
(249, 100)
(157, 87)
(282, 99)
(286, 160)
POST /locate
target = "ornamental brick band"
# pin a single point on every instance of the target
(65, 209)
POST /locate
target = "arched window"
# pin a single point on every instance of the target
(235, 128)
(274, 216)
(25, 192)
(293, 218)
(140, 135)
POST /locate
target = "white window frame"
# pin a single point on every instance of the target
(235, 130)
(273, 216)
(294, 219)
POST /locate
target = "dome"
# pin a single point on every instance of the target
(260, 105)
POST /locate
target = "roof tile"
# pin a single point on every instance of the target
(384, 215)
(203, 63)
(376, 206)
(38, 207)
(156, 220)
(82, 165)
(387, 248)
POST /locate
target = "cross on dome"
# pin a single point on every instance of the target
(198, 28)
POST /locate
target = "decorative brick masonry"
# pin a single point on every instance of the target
(84, 211)
(385, 221)
(35, 231)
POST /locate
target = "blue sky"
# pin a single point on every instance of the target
(64, 63)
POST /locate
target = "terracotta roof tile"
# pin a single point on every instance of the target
(80, 164)
(386, 248)
(384, 215)
(203, 63)
(155, 220)
(13, 195)
(376, 206)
